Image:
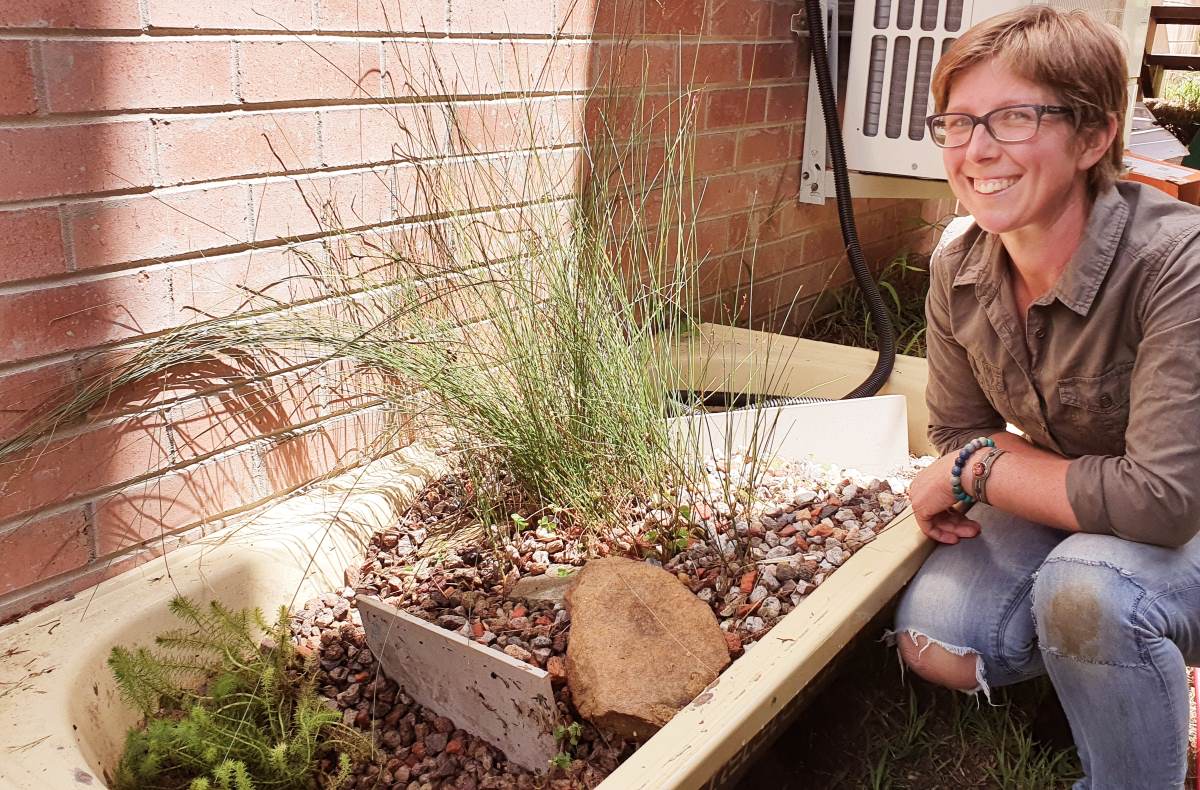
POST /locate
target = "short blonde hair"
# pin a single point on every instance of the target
(1077, 56)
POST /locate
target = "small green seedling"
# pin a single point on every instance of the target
(564, 571)
(569, 733)
(547, 523)
(521, 523)
(561, 760)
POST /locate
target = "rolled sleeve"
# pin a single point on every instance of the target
(1150, 494)
(958, 408)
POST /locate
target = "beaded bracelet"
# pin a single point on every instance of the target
(956, 474)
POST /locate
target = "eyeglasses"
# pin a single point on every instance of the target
(1011, 124)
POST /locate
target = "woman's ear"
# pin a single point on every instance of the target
(1095, 141)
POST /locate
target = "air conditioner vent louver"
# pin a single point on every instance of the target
(929, 14)
(875, 86)
(920, 102)
(954, 14)
(898, 87)
(883, 12)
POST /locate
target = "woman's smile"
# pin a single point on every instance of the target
(993, 186)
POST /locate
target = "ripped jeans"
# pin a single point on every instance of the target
(1114, 623)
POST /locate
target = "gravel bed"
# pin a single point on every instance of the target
(750, 546)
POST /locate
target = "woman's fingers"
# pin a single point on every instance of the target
(935, 532)
(949, 526)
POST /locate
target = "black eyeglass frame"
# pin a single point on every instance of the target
(985, 120)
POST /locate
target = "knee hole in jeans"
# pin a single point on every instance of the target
(946, 665)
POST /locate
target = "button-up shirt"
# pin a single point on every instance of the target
(1104, 369)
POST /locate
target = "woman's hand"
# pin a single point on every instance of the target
(934, 504)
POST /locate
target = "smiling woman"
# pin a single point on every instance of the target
(1067, 304)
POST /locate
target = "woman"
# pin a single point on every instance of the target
(1067, 305)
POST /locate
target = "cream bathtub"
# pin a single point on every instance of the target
(62, 724)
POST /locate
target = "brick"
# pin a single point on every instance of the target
(39, 550)
(724, 194)
(292, 15)
(770, 61)
(609, 119)
(619, 18)
(273, 71)
(215, 371)
(712, 237)
(740, 18)
(49, 161)
(760, 146)
(354, 386)
(304, 207)
(672, 18)
(69, 468)
(26, 394)
(254, 280)
(517, 178)
(371, 135)
(822, 242)
(709, 64)
(223, 420)
(126, 229)
(109, 15)
(389, 16)
(72, 317)
(536, 67)
(16, 90)
(336, 443)
(31, 244)
(221, 146)
(734, 107)
(455, 68)
(175, 501)
(787, 103)
(787, 289)
(515, 124)
(714, 153)
(85, 76)
(634, 64)
(505, 17)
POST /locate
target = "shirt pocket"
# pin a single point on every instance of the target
(1096, 410)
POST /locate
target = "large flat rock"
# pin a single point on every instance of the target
(507, 702)
(642, 646)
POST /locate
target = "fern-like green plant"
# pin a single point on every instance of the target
(227, 709)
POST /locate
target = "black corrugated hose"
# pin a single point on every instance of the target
(837, 155)
(880, 318)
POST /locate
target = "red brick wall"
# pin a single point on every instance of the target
(151, 151)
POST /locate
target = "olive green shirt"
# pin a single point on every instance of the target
(1104, 370)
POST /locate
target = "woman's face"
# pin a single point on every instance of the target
(1011, 187)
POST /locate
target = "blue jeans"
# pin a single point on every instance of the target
(1114, 623)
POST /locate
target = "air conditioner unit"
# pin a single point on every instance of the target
(894, 47)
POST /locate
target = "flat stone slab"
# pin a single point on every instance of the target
(507, 702)
(549, 587)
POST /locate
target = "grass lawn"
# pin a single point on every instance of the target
(872, 728)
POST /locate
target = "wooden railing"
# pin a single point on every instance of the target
(1155, 64)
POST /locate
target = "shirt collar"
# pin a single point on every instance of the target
(1081, 279)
